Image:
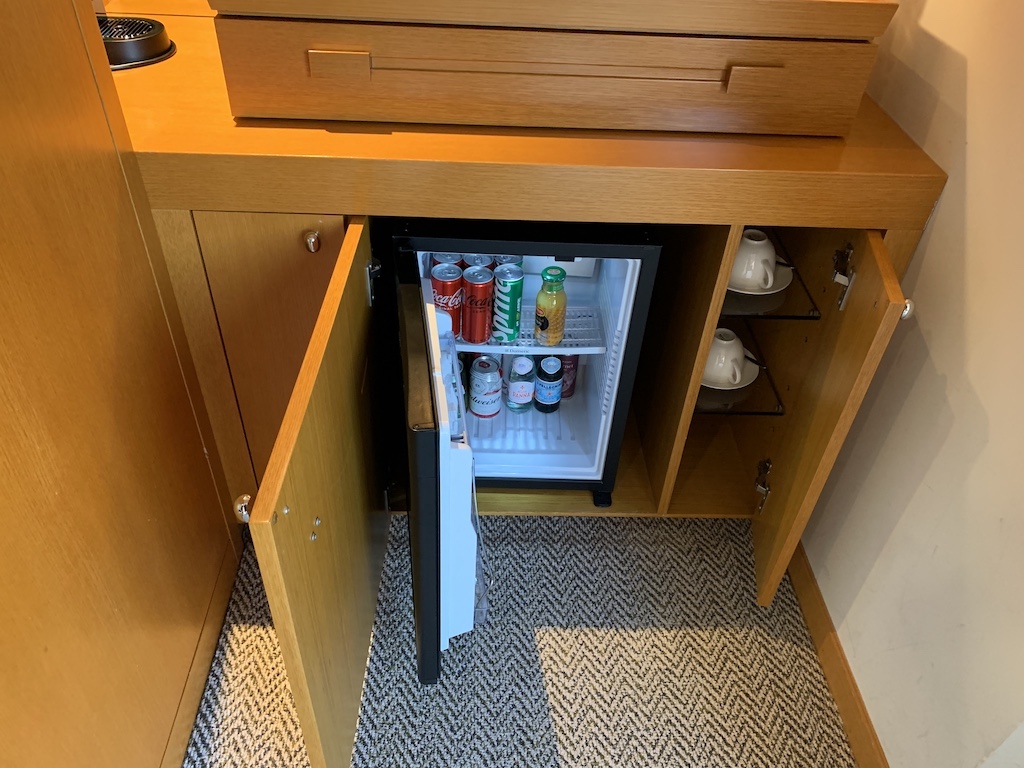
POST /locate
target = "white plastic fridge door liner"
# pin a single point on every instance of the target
(458, 538)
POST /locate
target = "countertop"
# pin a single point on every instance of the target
(194, 155)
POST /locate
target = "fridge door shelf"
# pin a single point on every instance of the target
(583, 336)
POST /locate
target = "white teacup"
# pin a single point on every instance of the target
(725, 360)
(754, 268)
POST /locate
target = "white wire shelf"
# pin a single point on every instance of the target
(584, 335)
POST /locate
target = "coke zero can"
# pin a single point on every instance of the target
(446, 280)
(478, 284)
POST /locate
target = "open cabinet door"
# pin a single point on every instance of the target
(318, 522)
(853, 341)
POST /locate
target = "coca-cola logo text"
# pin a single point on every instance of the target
(448, 303)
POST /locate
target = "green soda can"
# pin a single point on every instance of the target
(508, 302)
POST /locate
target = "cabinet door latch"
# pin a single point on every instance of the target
(373, 271)
(843, 273)
(761, 482)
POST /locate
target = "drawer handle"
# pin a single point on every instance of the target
(755, 81)
(358, 66)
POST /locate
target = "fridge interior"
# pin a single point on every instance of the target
(571, 443)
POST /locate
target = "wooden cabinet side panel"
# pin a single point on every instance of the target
(267, 290)
(837, 379)
(321, 559)
(692, 277)
(113, 534)
(192, 294)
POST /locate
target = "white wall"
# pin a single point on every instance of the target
(918, 544)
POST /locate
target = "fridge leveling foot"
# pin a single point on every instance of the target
(602, 498)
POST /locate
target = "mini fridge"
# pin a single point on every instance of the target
(609, 277)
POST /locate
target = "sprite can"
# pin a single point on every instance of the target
(508, 302)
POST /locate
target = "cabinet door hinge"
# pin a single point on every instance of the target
(761, 484)
(843, 274)
(373, 271)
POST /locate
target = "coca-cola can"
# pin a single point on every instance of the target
(570, 367)
(477, 303)
(478, 260)
(446, 258)
(485, 387)
(446, 280)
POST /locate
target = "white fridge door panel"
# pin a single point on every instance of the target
(458, 537)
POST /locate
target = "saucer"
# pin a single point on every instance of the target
(747, 375)
(783, 277)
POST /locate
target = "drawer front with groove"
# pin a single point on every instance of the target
(372, 72)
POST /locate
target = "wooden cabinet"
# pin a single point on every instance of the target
(835, 19)
(318, 520)
(116, 563)
(469, 75)
(713, 464)
(267, 286)
(319, 523)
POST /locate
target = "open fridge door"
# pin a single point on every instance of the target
(442, 530)
(458, 542)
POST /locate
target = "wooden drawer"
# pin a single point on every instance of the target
(391, 73)
(822, 19)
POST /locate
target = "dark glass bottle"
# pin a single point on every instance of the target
(547, 393)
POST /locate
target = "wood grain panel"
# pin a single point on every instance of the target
(137, 189)
(113, 534)
(837, 378)
(150, 8)
(837, 19)
(902, 244)
(787, 346)
(322, 578)
(714, 479)
(192, 294)
(543, 78)
(692, 278)
(860, 731)
(195, 683)
(267, 290)
(195, 155)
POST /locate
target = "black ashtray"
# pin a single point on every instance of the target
(134, 42)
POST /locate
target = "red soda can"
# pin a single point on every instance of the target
(446, 258)
(446, 280)
(570, 366)
(478, 260)
(478, 284)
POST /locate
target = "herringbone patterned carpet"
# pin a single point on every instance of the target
(610, 642)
